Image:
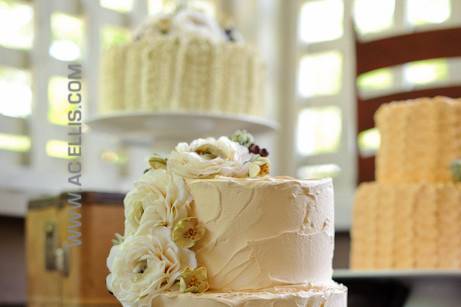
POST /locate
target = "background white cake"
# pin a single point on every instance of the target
(184, 61)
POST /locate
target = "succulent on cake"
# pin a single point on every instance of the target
(456, 170)
(242, 137)
(143, 266)
(187, 232)
(194, 280)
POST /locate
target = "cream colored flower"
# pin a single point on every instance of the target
(156, 26)
(197, 24)
(258, 167)
(156, 161)
(187, 232)
(118, 239)
(143, 266)
(207, 158)
(185, 24)
(158, 199)
(194, 280)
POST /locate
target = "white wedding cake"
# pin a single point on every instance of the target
(182, 62)
(207, 226)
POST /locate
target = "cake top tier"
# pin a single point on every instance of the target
(186, 24)
(420, 140)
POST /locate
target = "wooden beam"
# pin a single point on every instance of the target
(367, 108)
(406, 48)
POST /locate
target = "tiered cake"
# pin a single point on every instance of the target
(207, 226)
(184, 61)
(410, 218)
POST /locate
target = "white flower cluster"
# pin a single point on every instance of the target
(159, 233)
(148, 261)
(186, 23)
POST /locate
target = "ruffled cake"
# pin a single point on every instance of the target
(410, 217)
(182, 62)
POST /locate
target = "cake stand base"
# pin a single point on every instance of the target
(440, 293)
(427, 288)
(159, 128)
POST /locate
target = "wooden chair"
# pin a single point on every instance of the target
(394, 51)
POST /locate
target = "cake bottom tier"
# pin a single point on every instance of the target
(407, 226)
(333, 295)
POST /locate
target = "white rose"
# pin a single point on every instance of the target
(197, 24)
(185, 24)
(158, 199)
(143, 266)
(207, 158)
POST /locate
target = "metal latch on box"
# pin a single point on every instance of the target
(56, 258)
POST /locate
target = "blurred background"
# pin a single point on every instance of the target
(313, 88)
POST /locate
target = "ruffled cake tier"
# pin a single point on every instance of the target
(407, 226)
(419, 140)
(176, 74)
(332, 295)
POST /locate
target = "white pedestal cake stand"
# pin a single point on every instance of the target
(428, 288)
(169, 128)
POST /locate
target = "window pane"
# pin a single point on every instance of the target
(16, 24)
(369, 141)
(319, 130)
(58, 106)
(159, 6)
(320, 74)
(15, 92)
(112, 35)
(423, 72)
(117, 5)
(319, 171)
(376, 80)
(373, 16)
(57, 149)
(11, 142)
(321, 21)
(67, 32)
(421, 12)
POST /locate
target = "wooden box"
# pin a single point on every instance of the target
(59, 273)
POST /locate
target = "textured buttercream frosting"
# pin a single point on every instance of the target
(264, 232)
(295, 296)
(182, 62)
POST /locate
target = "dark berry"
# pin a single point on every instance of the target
(254, 149)
(264, 152)
(230, 34)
